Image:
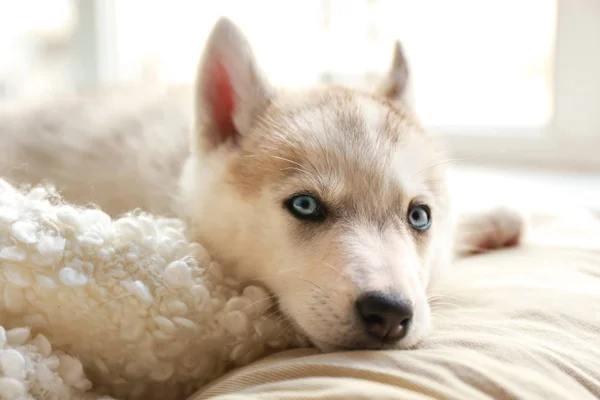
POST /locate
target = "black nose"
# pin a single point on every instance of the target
(386, 317)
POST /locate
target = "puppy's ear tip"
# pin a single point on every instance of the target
(394, 83)
(398, 59)
(224, 24)
(225, 31)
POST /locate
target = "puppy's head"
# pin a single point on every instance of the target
(333, 199)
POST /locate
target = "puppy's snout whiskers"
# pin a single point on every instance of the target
(310, 282)
(333, 268)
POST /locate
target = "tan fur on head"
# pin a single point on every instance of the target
(363, 157)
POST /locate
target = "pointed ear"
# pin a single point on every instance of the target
(230, 90)
(395, 82)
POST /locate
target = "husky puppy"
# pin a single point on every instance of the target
(334, 199)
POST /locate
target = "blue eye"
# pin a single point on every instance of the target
(419, 217)
(305, 207)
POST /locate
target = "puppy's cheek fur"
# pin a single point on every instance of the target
(440, 251)
(218, 217)
(325, 278)
(312, 287)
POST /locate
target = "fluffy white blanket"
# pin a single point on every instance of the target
(93, 307)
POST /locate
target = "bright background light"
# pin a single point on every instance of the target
(474, 62)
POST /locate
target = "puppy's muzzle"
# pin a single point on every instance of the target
(386, 317)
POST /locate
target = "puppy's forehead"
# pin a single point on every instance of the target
(345, 118)
(343, 121)
(360, 142)
(339, 143)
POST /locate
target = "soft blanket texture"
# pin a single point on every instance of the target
(128, 304)
(520, 323)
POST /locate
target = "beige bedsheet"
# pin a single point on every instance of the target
(515, 324)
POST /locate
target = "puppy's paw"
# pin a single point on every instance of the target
(502, 227)
(494, 229)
